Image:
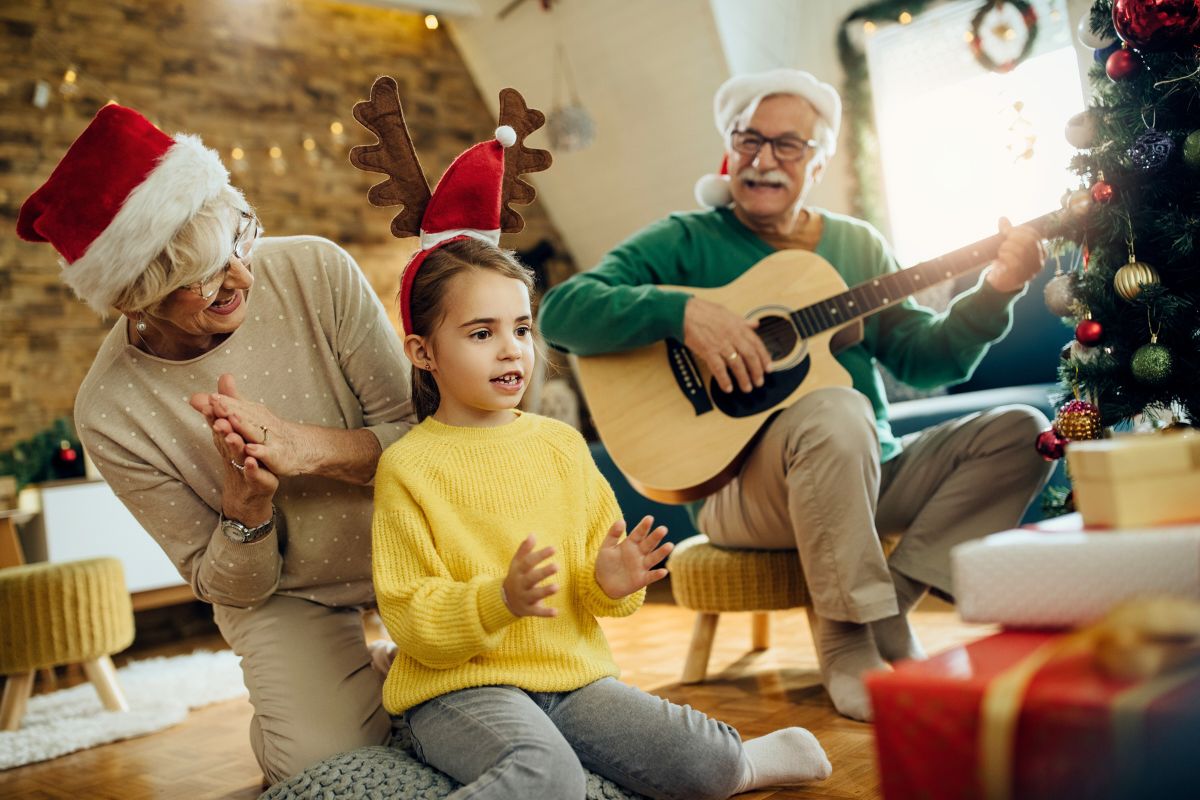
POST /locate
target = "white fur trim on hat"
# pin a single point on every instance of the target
(713, 191)
(736, 94)
(186, 177)
(429, 240)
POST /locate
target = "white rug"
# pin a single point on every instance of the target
(159, 692)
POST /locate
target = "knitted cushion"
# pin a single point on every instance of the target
(713, 579)
(62, 613)
(394, 773)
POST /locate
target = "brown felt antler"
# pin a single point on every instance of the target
(394, 156)
(519, 159)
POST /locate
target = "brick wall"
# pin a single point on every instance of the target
(253, 75)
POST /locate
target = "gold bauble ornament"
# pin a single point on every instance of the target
(1078, 420)
(1130, 278)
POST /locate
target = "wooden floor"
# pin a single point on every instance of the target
(208, 755)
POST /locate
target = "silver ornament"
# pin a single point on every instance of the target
(1081, 130)
(1089, 38)
(570, 128)
(1059, 295)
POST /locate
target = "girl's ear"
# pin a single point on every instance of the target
(418, 352)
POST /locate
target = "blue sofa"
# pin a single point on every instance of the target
(1020, 369)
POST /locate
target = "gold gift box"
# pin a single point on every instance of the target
(1137, 480)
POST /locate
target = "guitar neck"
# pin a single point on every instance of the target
(879, 293)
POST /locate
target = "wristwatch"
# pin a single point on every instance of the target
(243, 534)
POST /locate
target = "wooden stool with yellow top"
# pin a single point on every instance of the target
(58, 613)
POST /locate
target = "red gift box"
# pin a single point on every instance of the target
(1076, 734)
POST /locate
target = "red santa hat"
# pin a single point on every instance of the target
(465, 203)
(117, 198)
(735, 96)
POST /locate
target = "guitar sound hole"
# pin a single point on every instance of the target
(778, 334)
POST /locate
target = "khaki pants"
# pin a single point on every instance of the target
(814, 483)
(311, 682)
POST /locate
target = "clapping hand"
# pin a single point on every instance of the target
(522, 594)
(266, 438)
(623, 565)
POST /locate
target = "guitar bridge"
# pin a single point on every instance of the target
(687, 376)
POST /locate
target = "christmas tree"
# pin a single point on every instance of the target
(1135, 290)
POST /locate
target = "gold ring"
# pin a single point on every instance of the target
(732, 356)
(264, 430)
(239, 467)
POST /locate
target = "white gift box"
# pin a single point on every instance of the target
(1052, 579)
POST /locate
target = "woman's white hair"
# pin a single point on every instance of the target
(201, 247)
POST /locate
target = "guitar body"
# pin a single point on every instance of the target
(668, 427)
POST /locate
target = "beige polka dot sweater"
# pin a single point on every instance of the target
(452, 505)
(317, 347)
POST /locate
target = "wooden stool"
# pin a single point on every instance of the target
(711, 580)
(62, 613)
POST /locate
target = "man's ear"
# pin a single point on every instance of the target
(418, 351)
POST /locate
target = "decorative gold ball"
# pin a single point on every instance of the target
(1078, 420)
(1130, 278)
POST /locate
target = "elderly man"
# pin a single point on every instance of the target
(827, 476)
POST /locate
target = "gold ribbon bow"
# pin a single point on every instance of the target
(1149, 638)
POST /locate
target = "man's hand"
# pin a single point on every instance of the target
(522, 594)
(1021, 256)
(727, 343)
(623, 565)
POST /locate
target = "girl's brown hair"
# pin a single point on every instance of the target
(427, 302)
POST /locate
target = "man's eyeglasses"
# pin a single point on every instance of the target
(786, 147)
(249, 229)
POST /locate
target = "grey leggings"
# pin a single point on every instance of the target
(502, 742)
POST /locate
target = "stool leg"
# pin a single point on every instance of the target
(696, 667)
(16, 693)
(760, 631)
(103, 675)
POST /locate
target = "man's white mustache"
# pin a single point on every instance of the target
(770, 176)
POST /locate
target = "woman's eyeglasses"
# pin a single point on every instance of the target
(249, 229)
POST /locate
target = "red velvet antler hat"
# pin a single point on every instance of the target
(471, 199)
(117, 198)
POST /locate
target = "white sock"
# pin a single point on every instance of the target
(845, 651)
(783, 758)
(894, 636)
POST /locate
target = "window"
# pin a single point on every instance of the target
(961, 146)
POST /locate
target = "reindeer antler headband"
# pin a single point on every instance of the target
(472, 198)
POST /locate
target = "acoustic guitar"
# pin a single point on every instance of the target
(677, 437)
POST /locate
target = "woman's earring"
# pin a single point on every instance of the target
(141, 326)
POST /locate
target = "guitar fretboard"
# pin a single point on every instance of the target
(888, 290)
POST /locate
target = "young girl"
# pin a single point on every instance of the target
(497, 543)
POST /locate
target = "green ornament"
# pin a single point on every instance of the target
(1191, 150)
(1151, 363)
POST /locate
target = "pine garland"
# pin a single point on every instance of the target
(1162, 210)
(35, 459)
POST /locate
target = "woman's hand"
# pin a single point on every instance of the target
(727, 343)
(1020, 257)
(623, 565)
(522, 594)
(272, 441)
(383, 653)
(249, 487)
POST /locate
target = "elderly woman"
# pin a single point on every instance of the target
(238, 409)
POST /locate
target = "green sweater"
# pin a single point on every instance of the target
(617, 306)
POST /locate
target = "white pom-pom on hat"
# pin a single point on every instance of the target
(506, 136)
(712, 191)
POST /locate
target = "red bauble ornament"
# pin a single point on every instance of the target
(1122, 64)
(1102, 191)
(1088, 332)
(1050, 445)
(1157, 25)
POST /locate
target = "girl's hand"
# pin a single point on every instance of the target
(624, 565)
(522, 594)
(272, 441)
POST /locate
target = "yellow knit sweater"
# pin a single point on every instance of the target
(452, 505)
